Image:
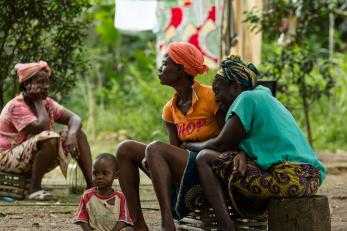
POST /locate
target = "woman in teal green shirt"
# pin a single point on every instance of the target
(273, 159)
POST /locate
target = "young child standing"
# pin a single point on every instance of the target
(102, 208)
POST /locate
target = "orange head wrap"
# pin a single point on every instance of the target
(27, 70)
(189, 56)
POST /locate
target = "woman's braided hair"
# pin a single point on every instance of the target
(236, 70)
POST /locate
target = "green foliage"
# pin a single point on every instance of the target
(334, 134)
(45, 30)
(106, 67)
(327, 113)
(295, 65)
(134, 104)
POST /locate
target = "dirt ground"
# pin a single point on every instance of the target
(58, 215)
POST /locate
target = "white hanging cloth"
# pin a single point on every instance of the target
(135, 15)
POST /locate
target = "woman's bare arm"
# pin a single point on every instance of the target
(74, 124)
(33, 98)
(220, 117)
(172, 133)
(229, 138)
(42, 123)
(72, 120)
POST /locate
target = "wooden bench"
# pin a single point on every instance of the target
(14, 185)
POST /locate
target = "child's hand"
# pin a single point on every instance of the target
(240, 163)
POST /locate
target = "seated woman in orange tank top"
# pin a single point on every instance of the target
(190, 115)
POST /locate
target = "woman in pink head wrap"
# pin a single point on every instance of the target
(191, 114)
(28, 143)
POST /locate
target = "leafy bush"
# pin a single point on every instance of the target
(42, 30)
(303, 65)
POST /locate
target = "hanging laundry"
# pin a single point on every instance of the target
(288, 29)
(237, 36)
(193, 21)
(135, 15)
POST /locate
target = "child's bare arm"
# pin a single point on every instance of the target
(84, 226)
(122, 226)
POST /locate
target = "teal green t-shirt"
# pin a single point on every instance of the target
(272, 135)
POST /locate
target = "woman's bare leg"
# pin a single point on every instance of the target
(47, 153)
(85, 158)
(166, 164)
(209, 180)
(129, 155)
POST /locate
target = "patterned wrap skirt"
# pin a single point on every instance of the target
(286, 179)
(20, 158)
(183, 197)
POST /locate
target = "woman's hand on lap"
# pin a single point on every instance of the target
(240, 163)
(70, 145)
(184, 145)
(192, 146)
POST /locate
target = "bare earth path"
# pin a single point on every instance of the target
(28, 215)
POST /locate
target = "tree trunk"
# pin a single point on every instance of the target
(91, 109)
(1, 95)
(306, 109)
(331, 36)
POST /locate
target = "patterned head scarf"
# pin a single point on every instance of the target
(189, 56)
(234, 69)
(27, 70)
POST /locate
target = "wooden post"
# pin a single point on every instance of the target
(299, 214)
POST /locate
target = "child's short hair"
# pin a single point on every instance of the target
(108, 157)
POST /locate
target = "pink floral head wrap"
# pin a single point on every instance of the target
(27, 70)
(189, 56)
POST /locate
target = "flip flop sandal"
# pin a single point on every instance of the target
(40, 195)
